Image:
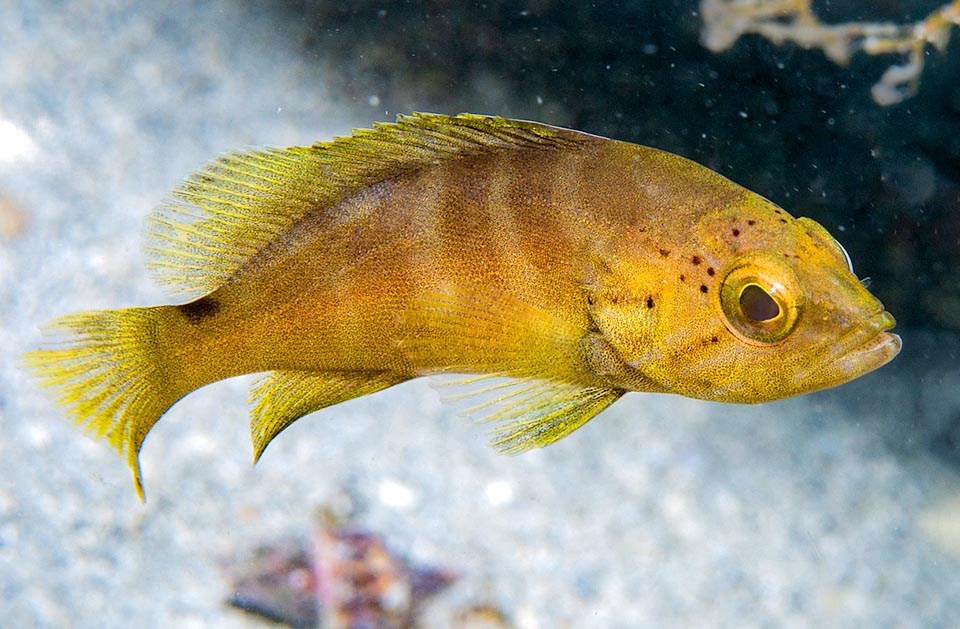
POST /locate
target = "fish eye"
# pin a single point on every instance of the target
(756, 304)
(760, 301)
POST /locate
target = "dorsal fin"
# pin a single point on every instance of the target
(224, 214)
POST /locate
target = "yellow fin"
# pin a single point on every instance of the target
(107, 371)
(229, 211)
(283, 397)
(532, 413)
(494, 332)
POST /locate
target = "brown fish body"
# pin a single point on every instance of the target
(361, 284)
(579, 267)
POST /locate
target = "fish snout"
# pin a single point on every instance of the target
(885, 345)
(867, 347)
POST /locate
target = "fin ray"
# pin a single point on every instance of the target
(234, 207)
(282, 397)
(498, 331)
(108, 375)
(530, 413)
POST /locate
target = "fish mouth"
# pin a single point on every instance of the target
(880, 349)
(866, 347)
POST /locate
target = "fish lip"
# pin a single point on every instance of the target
(868, 332)
(878, 350)
(883, 321)
(864, 348)
(871, 339)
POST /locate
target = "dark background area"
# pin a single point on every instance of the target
(785, 122)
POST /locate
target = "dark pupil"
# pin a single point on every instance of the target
(757, 304)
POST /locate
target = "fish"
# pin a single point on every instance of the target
(554, 269)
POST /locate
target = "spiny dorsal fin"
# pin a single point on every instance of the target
(282, 397)
(224, 214)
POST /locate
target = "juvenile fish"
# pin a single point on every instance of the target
(576, 266)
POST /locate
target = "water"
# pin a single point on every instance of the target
(838, 509)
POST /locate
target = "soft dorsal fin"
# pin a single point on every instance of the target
(224, 214)
(282, 397)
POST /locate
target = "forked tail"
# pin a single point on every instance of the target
(109, 369)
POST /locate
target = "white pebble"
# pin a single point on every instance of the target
(396, 495)
(499, 492)
(15, 143)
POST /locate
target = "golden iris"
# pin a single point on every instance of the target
(760, 301)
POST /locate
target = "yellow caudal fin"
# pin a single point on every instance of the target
(107, 368)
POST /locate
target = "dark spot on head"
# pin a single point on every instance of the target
(783, 220)
(683, 278)
(777, 212)
(591, 299)
(710, 271)
(735, 232)
(664, 252)
(751, 222)
(703, 288)
(714, 340)
(197, 311)
(696, 260)
(649, 301)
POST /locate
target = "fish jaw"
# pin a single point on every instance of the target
(866, 347)
(875, 347)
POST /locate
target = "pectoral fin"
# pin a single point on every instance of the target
(283, 397)
(485, 329)
(532, 413)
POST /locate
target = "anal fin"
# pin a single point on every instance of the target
(282, 397)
